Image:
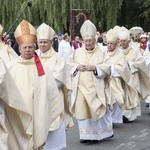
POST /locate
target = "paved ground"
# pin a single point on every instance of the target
(132, 136)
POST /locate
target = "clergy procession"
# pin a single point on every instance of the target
(52, 82)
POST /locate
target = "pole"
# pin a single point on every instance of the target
(71, 20)
(29, 4)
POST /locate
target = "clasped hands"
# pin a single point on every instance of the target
(86, 68)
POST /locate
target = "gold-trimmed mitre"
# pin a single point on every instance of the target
(25, 33)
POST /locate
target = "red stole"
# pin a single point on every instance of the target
(143, 46)
(39, 66)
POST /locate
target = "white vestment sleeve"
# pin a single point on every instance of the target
(2, 111)
(100, 74)
(74, 71)
(114, 72)
(147, 60)
(3, 130)
(148, 66)
(132, 67)
(59, 84)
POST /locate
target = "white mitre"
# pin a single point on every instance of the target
(116, 28)
(143, 36)
(111, 36)
(136, 29)
(45, 32)
(88, 30)
(124, 33)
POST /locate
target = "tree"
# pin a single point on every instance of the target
(56, 12)
(135, 13)
(106, 13)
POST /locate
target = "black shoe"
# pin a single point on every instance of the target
(107, 138)
(85, 141)
(94, 141)
(147, 104)
(126, 120)
(111, 136)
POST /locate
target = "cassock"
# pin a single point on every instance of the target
(55, 63)
(140, 77)
(39, 93)
(88, 102)
(119, 89)
(15, 117)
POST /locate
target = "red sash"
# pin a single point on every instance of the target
(39, 66)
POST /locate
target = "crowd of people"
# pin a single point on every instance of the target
(47, 81)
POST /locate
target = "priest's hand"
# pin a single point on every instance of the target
(81, 68)
(90, 68)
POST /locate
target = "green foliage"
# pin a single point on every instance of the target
(135, 13)
(145, 6)
(56, 12)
